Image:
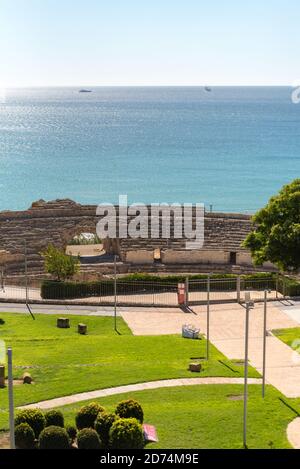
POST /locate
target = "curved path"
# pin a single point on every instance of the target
(84, 396)
(293, 433)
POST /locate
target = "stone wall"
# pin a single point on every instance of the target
(43, 223)
(202, 256)
(58, 221)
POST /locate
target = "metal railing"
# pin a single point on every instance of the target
(146, 293)
(220, 289)
(257, 286)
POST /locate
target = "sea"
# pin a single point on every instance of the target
(230, 148)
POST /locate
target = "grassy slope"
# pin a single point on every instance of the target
(62, 362)
(291, 337)
(288, 335)
(204, 416)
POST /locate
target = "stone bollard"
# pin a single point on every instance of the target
(27, 379)
(2, 376)
(63, 323)
(82, 329)
(195, 367)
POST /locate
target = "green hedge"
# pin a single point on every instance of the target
(126, 434)
(130, 408)
(288, 286)
(293, 289)
(54, 438)
(55, 418)
(24, 436)
(142, 283)
(33, 417)
(86, 416)
(88, 438)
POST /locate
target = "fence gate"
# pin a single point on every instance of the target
(142, 293)
(220, 290)
(257, 286)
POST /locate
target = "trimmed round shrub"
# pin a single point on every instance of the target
(35, 419)
(126, 434)
(87, 415)
(103, 424)
(88, 438)
(72, 432)
(130, 409)
(2, 321)
(54, 418)
(54, 438)
(24, 436)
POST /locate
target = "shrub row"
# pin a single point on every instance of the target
(96, 428)
(289, 286)
(139, 283)
(87, 415)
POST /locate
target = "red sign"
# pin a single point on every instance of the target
(150, 433)
(181, 293)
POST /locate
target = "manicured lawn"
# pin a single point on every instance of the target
(62, 362)
(21, 326)
(205, 417)
(288, 336)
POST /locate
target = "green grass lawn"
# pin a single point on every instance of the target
(62, 362)
(206, 417)
(288, 336)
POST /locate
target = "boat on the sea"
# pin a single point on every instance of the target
(84, 91)
(207, 88)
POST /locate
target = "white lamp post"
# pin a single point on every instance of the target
(264, 342)
(11, 400)
(115, 293)
(207, 316)
(249, 305)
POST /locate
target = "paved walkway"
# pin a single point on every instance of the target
(84, 396)
(293, 433)
(57, 309)
(79, 309)
(291, 308)
(227, 332)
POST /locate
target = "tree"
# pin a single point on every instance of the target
(275, 236)
(59, 264)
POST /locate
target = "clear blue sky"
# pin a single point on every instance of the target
(149, 42)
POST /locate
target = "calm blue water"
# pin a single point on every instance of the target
(231, 147)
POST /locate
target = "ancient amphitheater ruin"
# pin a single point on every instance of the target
(58, 221)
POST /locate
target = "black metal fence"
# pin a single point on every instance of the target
(147, 292)
(257, 288)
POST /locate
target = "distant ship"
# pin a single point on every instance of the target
(84, 91)
(207, 88)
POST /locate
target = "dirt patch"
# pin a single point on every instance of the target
(4, 440)
(17, 382)
(235, 397)
(239, 362)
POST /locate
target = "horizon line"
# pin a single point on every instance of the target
(151, 86)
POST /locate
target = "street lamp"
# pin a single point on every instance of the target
(11, 399)
(26, 275)
(115, 293)
(207, 316)
(264, 342)
(26, 280)
(249, 305)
